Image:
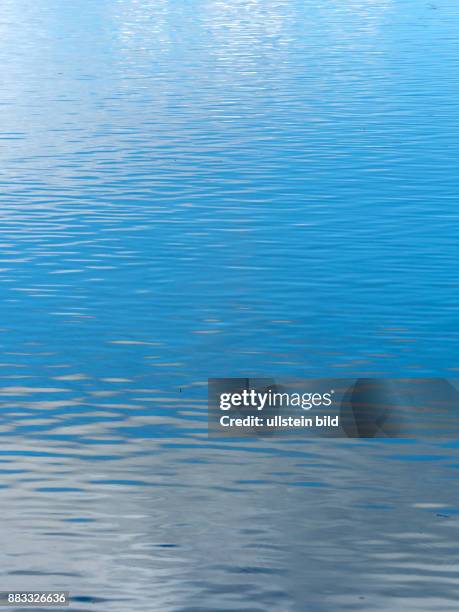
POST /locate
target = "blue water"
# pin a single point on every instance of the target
(226, 188)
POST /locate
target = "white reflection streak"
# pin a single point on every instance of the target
(142, 26)
(241, 31)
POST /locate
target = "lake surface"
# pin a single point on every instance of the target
(224, 188)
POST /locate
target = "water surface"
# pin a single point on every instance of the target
(223, 188)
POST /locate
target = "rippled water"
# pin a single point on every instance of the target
(223, 188)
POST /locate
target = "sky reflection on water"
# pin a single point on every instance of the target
(220, 189)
